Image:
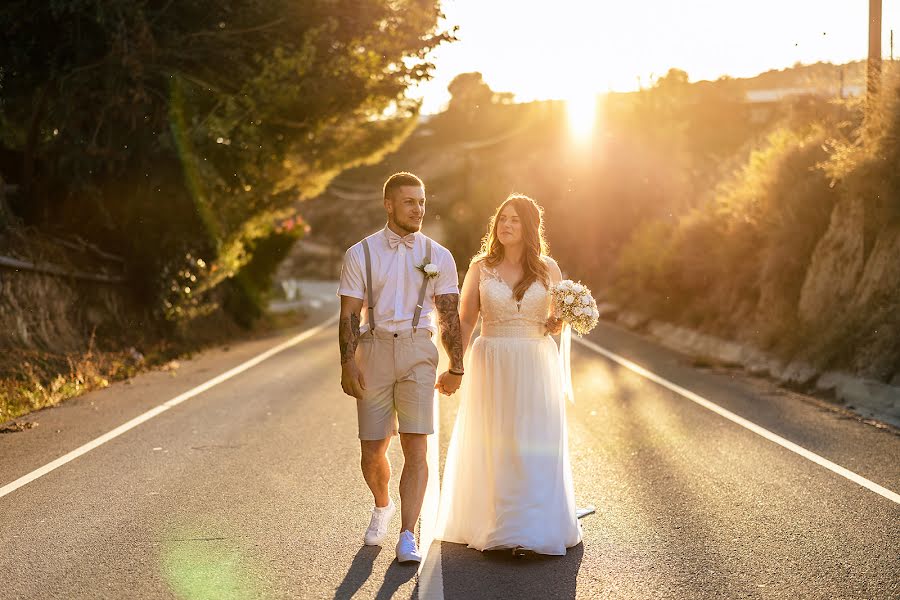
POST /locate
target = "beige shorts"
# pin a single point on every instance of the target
(400, 371)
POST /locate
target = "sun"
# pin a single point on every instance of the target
(581, 113)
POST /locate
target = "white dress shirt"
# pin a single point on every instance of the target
(396, 281)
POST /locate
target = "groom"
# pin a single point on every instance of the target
(388, 354)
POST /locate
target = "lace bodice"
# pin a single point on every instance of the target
(500, 311)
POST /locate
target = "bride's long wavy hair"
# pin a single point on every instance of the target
(531, 216)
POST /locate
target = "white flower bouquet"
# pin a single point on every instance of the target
(574, 304)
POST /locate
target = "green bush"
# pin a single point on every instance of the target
(249, 291)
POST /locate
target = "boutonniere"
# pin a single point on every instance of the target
(429, 270)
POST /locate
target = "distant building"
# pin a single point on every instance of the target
(777, 94)
(764, 102)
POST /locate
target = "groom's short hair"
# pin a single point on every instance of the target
(399, 180)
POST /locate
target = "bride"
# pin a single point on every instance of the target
(508, 480)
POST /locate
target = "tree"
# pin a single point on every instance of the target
(192, 126)
(468, 91)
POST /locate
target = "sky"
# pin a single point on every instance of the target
(573, 48)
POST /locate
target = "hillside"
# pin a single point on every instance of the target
(775, 229)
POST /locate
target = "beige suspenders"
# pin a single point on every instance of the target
(371, 294)
(418, 312)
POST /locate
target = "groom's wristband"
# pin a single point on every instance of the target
(458, 373)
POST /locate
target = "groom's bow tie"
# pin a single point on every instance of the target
(395, 240)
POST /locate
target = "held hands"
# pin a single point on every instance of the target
(448, 383)
(554, 325)
(352, 381)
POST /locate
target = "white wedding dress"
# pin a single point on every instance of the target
(507, 479)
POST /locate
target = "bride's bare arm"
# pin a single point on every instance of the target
(553, 267)
(470, 304)
(554, 324)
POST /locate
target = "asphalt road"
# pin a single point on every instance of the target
(251, 489)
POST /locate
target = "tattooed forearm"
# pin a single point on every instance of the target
(447, 306)
(348, 336)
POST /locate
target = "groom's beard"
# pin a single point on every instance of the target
(409, 226)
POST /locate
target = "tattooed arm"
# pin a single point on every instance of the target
(352, 380)
(447, 307)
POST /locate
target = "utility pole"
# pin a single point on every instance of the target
(873, 72)
(841, 89)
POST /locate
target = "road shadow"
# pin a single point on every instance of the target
(498, 574)
(396, 575)
(359, 572)
(668, 527)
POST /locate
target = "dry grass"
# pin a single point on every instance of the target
(736, 267)
(33, 379)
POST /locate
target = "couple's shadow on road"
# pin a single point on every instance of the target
(361, 569)
(498, 574)
(472, 574)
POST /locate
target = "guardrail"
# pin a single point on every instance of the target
(49, 269)
(86, 247)
(17, 264)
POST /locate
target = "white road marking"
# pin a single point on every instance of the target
(773, 437)
(431, 577)
(66, 458)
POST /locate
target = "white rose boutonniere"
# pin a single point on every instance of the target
(430, 270)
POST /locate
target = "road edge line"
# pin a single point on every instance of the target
(161, 408)
(757, 429)
(430, 573)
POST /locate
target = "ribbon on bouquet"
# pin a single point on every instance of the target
(565, 365)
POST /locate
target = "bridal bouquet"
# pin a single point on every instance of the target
(575, 305)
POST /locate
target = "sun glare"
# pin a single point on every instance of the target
(581, 112)
(560, 44)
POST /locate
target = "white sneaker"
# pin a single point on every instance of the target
(378, 526)
(407, 551)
